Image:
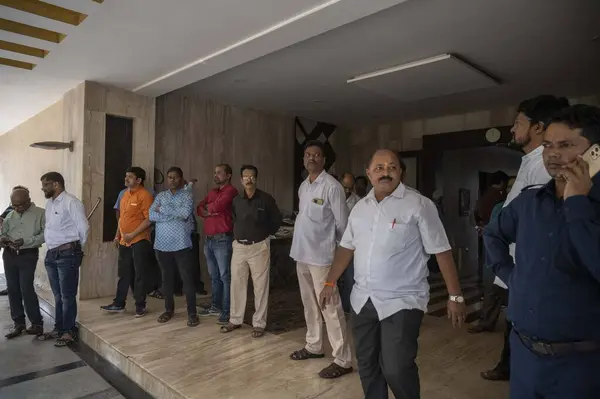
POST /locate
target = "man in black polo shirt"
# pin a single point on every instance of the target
(255, 218)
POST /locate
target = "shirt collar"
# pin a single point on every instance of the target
(398, 192)
(533, 154)
(550, 189)
(319, 178)
(60, 197)
(245, 196)
(219, 189)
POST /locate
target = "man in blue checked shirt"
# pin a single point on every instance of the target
(554, 282)
(171, 212)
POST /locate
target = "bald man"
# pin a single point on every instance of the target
(391, 233)
(22, 236)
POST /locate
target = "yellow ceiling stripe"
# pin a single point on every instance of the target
(31, 31)
(46, 10)
(23, 49)
(16, 64)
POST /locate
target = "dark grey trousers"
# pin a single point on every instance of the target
(182, 261)
(386, 352)
(20, 272)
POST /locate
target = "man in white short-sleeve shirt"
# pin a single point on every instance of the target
(391, 233)
(319, 226)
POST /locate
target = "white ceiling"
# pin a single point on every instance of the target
(531, 47)
(156, 46)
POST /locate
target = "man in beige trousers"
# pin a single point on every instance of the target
(255, 218)
(320, 224)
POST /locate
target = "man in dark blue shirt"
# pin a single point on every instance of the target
(554, 286)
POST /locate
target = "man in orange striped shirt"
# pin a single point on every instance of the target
(133, 241)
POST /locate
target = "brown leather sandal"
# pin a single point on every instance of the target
(166, 316)
(229, 328)
(334, 371)
(258, 332)
(303, 354)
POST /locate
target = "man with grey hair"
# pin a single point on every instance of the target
(21, 237)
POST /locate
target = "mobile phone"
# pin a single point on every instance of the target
(592, 157)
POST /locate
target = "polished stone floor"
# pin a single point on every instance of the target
(174, 361)
(30, 369)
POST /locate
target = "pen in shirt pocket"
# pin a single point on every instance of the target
(394, 223)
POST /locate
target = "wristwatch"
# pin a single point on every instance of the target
(457, 298)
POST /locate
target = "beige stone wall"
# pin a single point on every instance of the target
(23, 165)
(99, 270)
(363, 140)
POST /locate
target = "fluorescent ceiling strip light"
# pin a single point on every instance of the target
(242, 42)
(400, 67)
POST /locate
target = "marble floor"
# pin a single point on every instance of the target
(32, 369)
(174, 361)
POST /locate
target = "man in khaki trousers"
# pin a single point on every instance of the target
(255, 218)
(320, 224)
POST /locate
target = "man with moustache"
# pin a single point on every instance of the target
(65, 234)
(133, 241)
(22, 236)
(533, 117)
(172, 212)
(390, 234)
(215, 208)
(319, 226)
(554, 302)
(255, 218)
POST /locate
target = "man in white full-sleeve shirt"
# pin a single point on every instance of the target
(533, 117)
(391, 233)
(320, 224)
(65, 235)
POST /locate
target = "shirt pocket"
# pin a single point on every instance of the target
(316, 211)
(400, 234)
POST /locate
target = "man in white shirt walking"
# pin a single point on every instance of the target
(65, 235)
(391, 233)
(533, 117)
(320, 224)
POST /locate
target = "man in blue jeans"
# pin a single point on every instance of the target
(65, 235)
(215, 208)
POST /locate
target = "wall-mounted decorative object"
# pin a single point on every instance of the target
(54, 145)
(464, 202)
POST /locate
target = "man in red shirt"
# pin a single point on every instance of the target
(215, 208)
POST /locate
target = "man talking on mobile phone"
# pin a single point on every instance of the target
(554, 281)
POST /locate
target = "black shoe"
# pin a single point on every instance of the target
(141, 312)
(495, 375)
(36, 330)
(16, 331)
(112, 308)
(4, 292)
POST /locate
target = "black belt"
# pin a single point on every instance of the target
(558, 348)
(249, 242)
(69, 245)
(24, 251)
(219, 236)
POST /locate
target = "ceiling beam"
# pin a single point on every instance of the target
(46, 10)
(16, 64)
(23, 49)
(31, 31)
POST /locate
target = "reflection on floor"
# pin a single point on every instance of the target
(174, 361)
(32, 369)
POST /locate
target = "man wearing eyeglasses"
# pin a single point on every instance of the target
(22, 236)
(255, 218)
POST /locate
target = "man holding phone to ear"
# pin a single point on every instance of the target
(554, 283)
